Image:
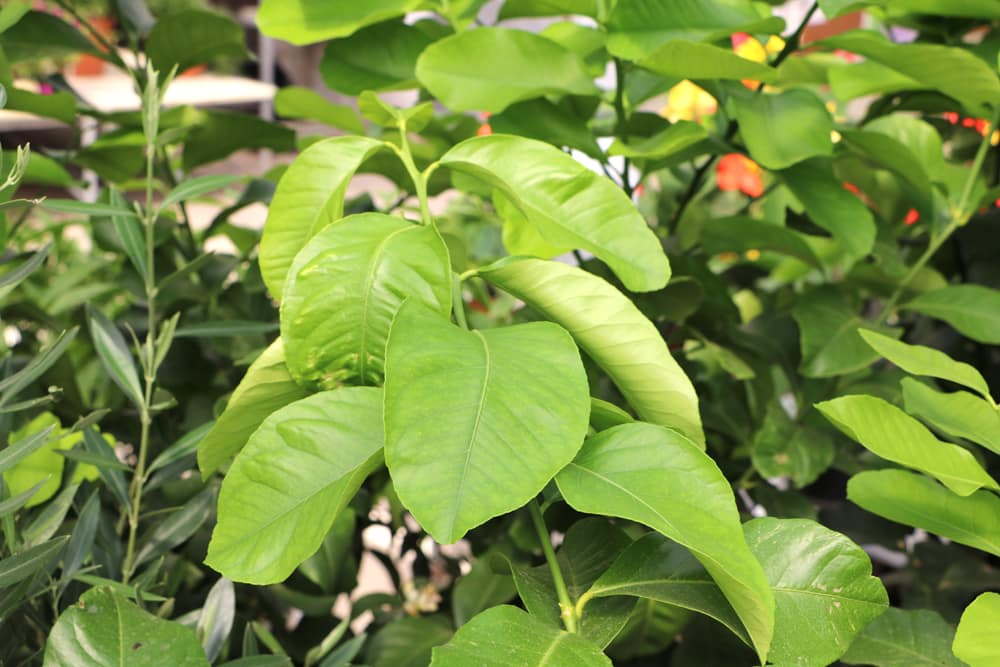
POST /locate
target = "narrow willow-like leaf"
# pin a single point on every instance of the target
(105, 630)
(923, 360)
(658, 477)
(22, 565)
(286, 487)
(976, 640)
(915, 500)
(892, 434)
(115, 355)
(309, 196)
(612, 331)
(10, 386)
(478, 422)
(571, 206)
(344, 288)
(196, 187)
(17, 451)
(178, 527)
(216, 619)
(957, 413)
(266, 387)
(973, 310)
(506, 636)
(904, 638)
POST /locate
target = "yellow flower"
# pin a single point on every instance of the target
(686, 101)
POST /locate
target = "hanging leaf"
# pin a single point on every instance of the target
(478, 422)
(303, 22)
(958, 413)
(972, 310)
(379, 57)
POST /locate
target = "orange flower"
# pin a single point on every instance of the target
(686, 101)
(738, 172)
(484, 130)
(912, 216)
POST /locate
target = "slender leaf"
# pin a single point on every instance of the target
(958, 413)
(115, 355)
(972, 310)
(22, 565)
(196, 187)
(178, 527)
(12, 385)
(216, 619)
(225, 329)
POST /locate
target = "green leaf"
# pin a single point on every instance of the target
(976, 641)
(12, 385)
(86, 208)
(40, 35)
(344, 288)
(684, 59)
(569, 205)
(785, 448)
(923, 360)
(830, 206)
(131, 233)
(506, 636)
(638, 27)
(605, 415)
(196, 187)
(407, 642)
(958, 413)
(297, 472)
(216, 619)
(657, 477)
(379, 57)
(869, 78)
(225, 329)
(915, 500)
(104, 629)
(892, 434)
(904, 638)
(309, 196)
(887, 152)
(219, 134)
(488, 69)
(920, 139)
(301, 102)
(972, 310)
(266, 387)
(31, 458)
(542, 120)
(192, 37)
(935, 65)
(678, 137)
(741, 233)
(19, 500)
(59, 106)
(307, 21)
(114, 354)
(829, 330)
(178, 527)
(326, 568)
(22, 565)
(612, 331)
(517, 8)
(477, 422)
(783, 129)
(385, 114)
(480, 589)
(82, 539)
(12, 12)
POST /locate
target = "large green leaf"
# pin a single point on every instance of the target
(541, 119)
(193, 37)
(658, 477)
(976, 640)
(309, 196)
(678, 137)
(741, 233)
(829, 330)
(379, 57)
(297, 472)
(307, 21)
(345, 286)
(636, 28)
(612, 331)
(935, 65)
(506, 636)
(570, 205)
(915, 500)
(266, 387)
(589, 547)
(488, 69)
(39, 34)
(684, 59)
(302, 102)
(904, 638)
(104, 629)
(830, 206)
(892, 434)
(923, 360)
(785, 128)
(972, 310)
(920, 139)
(957, 413)
(219, 134)
(476, 423)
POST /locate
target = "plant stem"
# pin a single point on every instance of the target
(959, 217)
(419, 179)
(567, 609)
(457, 302)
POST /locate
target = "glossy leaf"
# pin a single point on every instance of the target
(131, 234)
(569, 205)
(344, 288)
(477, 422)
(297, 472)
(542, 120)
(957, 413)
(783, 129)
(516, 8)
(379, 57)
(310, 195)
(306, 21)
(684, 59)
(923, 360)
(302, 102)
(904, 638)
(104, 629)
(216, 619)
(488, 69)
(976, 641)
(890, 433)
(612, 331)
(218, 134)
(22, 565)
(973, 310)
(740, 234)
(115, 355)
(915, 500)
(785, 448)
(832, 207)
(658, 477)
(506, 636)
(266, 387)
(678, 137)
